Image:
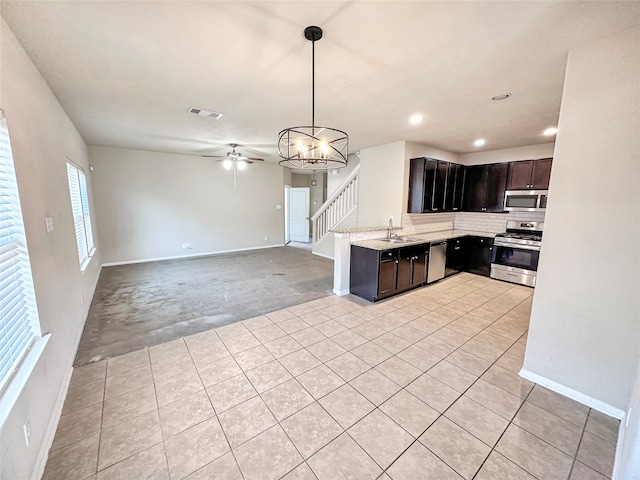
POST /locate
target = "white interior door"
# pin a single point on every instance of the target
(299, 215)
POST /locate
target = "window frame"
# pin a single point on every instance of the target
(21, 341)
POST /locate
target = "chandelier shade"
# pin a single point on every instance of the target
(312, 146)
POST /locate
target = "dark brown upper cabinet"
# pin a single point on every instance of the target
(484, 187)
(529, 175)
(453, 192)
(421, 178)
(434, 186)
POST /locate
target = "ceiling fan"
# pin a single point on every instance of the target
(236, 161)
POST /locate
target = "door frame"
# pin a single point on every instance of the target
(287, 195)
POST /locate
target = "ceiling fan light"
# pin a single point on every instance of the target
(301, 147)
(227, 164)
(241, 164)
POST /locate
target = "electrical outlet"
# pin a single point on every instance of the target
(27, 431)
(49, 223)
(186, 245)
(266, 238)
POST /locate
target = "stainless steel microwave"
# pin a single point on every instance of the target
(525, 200)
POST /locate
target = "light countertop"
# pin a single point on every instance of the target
(419, 238)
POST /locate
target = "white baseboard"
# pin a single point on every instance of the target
(341, 293)
(50, 433)
(580, 397)
(322, 255)
(195, 255)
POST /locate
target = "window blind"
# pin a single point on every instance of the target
(84, 198)
(81, 212)
(18, 313)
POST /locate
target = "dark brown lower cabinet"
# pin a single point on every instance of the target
(479, 251)
(456, 261)
(387, 277)
(380, 274)
(412, 266)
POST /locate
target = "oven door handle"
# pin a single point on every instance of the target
(513, 245)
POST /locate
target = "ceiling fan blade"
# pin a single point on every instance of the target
(254, 159)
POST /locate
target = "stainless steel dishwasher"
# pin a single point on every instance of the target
(437, 260)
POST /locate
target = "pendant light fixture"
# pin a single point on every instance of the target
(313, 147)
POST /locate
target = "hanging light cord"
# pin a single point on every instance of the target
(313, 86)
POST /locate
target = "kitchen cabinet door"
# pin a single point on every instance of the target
(412, 266)
(453, 189)
(387, 278)
(496, 186)
(419, 269)
(541, 173)
(479, 251)
(439, 186)
(529, 174)
(416, 185)
(405, 268)
(475, 187)
(520, 175)
(456, 257)
(422, 175)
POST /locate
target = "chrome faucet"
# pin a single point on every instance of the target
(390, 229)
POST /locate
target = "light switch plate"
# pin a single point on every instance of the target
(49, 223)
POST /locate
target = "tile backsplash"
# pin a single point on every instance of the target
(492, 222)
(415, 223)
(427, 222)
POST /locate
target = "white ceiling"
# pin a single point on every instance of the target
(126, 72)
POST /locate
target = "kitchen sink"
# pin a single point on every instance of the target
(398, 240)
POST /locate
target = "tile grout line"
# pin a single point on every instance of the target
(371, 367)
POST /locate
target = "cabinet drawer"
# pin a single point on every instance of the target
(388, 255)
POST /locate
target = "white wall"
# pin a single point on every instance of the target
(585, 332)
(42, 137)
(336, 178)
(148, 204)
(529, 152)
(382, 179)
(417, 150)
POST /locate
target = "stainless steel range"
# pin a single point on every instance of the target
(516, 253)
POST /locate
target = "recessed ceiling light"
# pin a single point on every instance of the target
(502, 96)
(416, 119)
(550, 131)
(479, 142)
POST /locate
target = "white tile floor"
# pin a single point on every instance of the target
(422, 386)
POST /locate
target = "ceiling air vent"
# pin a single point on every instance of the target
(205, 113)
